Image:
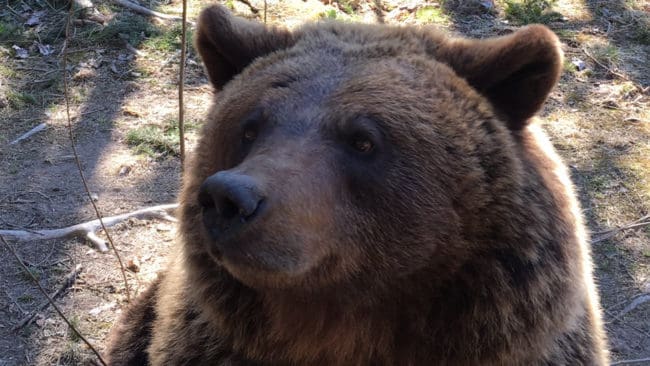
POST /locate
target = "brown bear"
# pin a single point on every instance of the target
(372, 195)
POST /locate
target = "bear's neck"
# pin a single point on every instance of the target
(403, 325)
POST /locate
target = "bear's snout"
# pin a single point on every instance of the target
(229, 200)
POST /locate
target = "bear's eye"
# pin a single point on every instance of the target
(249, 135)
(362, 145)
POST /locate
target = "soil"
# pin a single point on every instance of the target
(598, 118)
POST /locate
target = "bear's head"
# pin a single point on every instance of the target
(354, 155)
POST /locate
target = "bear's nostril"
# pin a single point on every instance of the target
(228, 209)
(205, 199)
(229, 200)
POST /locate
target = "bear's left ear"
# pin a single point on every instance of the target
(227, 44)
(515, 72)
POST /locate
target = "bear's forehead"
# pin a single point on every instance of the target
(330, 76)
(309, 85)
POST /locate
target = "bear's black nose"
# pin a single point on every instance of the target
(229, 200)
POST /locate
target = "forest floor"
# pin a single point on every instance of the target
(123, 77)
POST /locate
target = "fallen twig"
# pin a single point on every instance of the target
(49, 299)
(145, 11)
(633, 305)
(69, 280)
(29, 133)
(253, 9)
(133, 49)
(606, 234)
(88, 229)
(628, 362)
(609, 69)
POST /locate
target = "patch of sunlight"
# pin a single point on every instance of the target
(431, 14)
(573, 10)
(564, 127)
(638, 162)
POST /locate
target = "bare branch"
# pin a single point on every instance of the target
(606, 234)
(609, 69)
(633, 305)
(88, 229)
(29, 133)
(145, 11)
(253, 9)
(629, 362)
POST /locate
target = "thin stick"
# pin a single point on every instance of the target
(181, 83)
(29, 133)
(144, 11)
(74, 149)
(633, 305)
(13, 252)
(69, 280)
(627, 362)
(604, 66)
(606, 234)
(253, 9)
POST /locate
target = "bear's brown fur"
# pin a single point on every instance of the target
(372, 195)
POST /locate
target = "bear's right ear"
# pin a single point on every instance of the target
(515, 72)
(227, 44)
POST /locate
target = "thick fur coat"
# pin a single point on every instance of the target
(372, 195)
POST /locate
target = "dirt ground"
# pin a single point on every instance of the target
(123, 77)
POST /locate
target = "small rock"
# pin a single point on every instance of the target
(84, 74)
(35, 18)
(579, 64)
(487, 4)
(94, 197)
(20, 52)
(44, 49)
(130, 112)
(164, 227)
(98, 310)
(133, 265)
(619, 346)
(124, 170)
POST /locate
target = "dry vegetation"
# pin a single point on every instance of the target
(123, 87)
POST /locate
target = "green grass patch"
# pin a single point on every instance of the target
(18, 100)
(132, 28)
(9, 31)
(568, 67)
(153, 141)
(158, 141)
(565, 34)
(431, 14)
(607, 54)
(7, 72)
(330, 14)
(348, 6)
(641, 32)
(72, 335)
(35, 272)
(531, 11)
(25, 298)
(169, 40)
